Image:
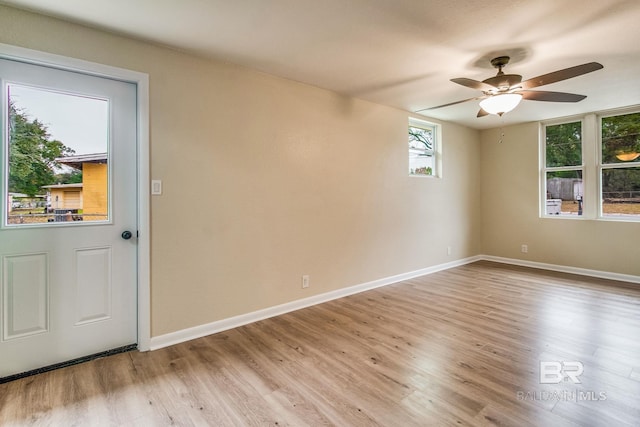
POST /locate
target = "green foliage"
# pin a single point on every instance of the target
(32, 154)
(577, 174)
(427, 170)
(620, 134)
(73, 177)
(564, 145)
(620, 183)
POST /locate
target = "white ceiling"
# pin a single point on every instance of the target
(400, 53)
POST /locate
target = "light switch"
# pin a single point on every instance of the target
(156, 187)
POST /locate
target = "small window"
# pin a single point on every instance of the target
(620, 165)
(563, 167)
(423, 141)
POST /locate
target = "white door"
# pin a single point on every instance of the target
(67, 276)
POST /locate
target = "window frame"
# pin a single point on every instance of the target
(601, 166)
(592, 165)
(436, 154)
(544, 169)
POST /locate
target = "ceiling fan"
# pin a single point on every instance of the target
(503, 92)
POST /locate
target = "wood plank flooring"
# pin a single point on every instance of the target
(460, 347)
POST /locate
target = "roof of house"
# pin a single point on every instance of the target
(63, 186)
(77, 161)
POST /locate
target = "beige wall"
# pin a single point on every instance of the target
(266, 180)
(510, 213)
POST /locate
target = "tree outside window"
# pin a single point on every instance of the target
(422, 149)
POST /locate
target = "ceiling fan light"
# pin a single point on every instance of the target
(500, 104)
(627, 156)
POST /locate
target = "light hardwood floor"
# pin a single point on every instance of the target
(458, 347)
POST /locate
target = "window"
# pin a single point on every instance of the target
(423, 144)
(620, 166)
(563, 169)
(57, 156)
(591, 167)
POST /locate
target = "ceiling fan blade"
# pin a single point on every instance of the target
(482, 113)
(451, 103)
(559, 75)
(542, 95)
(473, 84)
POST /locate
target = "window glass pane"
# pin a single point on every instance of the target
(564, 144)
(57, 157)
(564, 193)
(621, 138)
(422, 150)
(621, 191)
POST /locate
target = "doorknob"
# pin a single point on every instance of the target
(126, 235)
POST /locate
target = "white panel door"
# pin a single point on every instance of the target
(67, 275)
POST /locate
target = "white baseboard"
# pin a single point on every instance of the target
(243, 319)
(564, 269)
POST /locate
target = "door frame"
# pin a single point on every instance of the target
(141, 80)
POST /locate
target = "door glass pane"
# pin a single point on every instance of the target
(57, 157)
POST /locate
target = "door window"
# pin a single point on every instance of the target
(57, 149)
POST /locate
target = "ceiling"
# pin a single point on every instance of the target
(400, 53)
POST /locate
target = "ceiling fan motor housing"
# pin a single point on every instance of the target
(503, 82)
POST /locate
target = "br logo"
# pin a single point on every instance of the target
(556, 372)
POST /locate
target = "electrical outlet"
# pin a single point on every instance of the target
(448, 250)
(305, 281)
(524, 249)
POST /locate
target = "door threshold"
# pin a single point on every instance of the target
(72, 362)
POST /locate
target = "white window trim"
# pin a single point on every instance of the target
(591, 167)
(542, 145)
(437, 146)
(601, 165)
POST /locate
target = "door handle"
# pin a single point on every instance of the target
(126, 235)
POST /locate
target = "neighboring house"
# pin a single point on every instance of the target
(91, 196)
(65, 196)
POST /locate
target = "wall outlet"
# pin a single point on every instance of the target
(305, 281)
(524, 249)
(448, 250)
